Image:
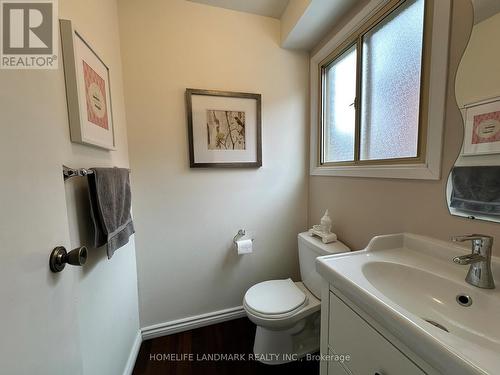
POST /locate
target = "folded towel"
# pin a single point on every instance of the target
(476, 189)
(110, 201)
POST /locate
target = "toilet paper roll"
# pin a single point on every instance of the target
(244, 246)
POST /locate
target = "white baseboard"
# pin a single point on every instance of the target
(129, 367)
(191, 322)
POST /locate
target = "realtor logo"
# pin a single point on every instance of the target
(28, 34)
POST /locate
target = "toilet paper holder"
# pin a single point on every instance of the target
(241, 233)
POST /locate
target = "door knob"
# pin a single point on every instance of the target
(59, 257)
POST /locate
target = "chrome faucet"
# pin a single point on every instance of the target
(480, 260)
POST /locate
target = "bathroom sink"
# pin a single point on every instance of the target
(434, 299)
(410, 286)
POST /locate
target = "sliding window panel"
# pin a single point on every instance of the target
(339, 116)
(391, 75)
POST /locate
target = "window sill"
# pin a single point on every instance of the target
(421, 171)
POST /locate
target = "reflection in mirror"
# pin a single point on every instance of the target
(473, 188)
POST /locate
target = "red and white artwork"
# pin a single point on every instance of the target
(486, 128)
(95, 92)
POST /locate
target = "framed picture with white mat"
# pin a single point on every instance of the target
(88, 91)
(224, 129)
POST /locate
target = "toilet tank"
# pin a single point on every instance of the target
(309, 249)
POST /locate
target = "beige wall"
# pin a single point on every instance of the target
(186, 218)
(478, 77)
(83, 320)
(292, 14)
(362, 208)
(107, 303)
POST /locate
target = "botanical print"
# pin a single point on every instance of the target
(226, 130)
(486, 128)
(95, 89)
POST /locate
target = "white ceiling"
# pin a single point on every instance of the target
(484, 9)
(268, 8)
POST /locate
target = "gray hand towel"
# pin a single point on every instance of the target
(476, 189)
(110, 201)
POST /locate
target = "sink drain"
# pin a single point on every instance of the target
(436, 324)
(464, 300)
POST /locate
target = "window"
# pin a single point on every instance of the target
(373, 93)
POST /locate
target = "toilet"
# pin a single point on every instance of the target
(287, 313)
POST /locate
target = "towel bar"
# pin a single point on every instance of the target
(70, 172)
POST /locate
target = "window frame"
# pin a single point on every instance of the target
(426, 165)
(357, 39)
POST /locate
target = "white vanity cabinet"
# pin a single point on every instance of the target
(365, 349)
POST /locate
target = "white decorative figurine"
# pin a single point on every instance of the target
(326, 223)
(323, 230)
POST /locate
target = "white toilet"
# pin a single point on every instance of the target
(287, 314)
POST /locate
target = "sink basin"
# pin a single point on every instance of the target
(410, 286)
(433, 298)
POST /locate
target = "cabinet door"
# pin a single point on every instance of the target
(370, 353)
(335, 368)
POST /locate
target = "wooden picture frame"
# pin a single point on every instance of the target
(224, 129)
(88, 91)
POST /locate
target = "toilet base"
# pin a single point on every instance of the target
(277, 347)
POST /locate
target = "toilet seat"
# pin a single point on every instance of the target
(274, 299)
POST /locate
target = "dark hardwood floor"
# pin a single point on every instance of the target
(183, 353)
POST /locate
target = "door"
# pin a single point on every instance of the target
(38, 315)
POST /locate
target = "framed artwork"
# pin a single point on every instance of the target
(482, 128)
(224, 129)
(87, 91)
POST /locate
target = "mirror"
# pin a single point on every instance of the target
(473, 188)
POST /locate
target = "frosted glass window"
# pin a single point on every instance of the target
(391, 72)
(339, 110)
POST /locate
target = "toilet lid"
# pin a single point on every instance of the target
(274, 297)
